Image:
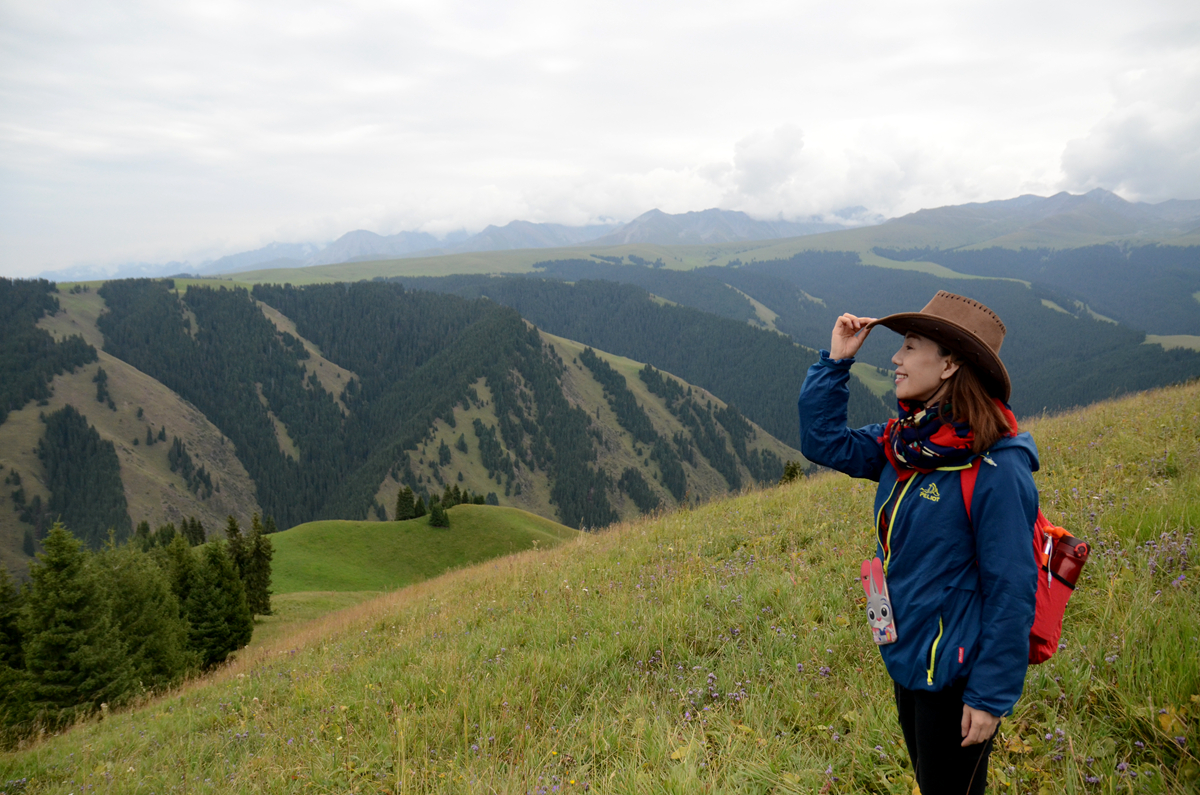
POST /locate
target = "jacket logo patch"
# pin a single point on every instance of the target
(930, 493)
(960, 654)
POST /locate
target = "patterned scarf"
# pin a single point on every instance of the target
(921, 441)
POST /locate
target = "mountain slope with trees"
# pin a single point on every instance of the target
(434, 391)
(758, 370)
(1057, 358)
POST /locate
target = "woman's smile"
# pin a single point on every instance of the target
(921, 368)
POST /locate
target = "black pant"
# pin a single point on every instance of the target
(932, 724)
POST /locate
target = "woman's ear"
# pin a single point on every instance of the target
(949, 367)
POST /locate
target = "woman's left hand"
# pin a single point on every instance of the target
(977, 725)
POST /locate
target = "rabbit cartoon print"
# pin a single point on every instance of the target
(879, 604)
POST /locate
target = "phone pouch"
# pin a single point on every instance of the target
(879, 603)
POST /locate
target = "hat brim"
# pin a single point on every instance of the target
(987, 364)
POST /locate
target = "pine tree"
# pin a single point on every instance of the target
(269, 526)
(405, 507)
(10, 632)
(101, 382)
(438, 516)
(193, 531)
(220, 619)
(257, 575)
(461, 444)
(419, 508)
(27, 545)
(12, 673)
(141, 536)
(181, 569)
(239, 550)
(149, 437)
(147, 615)
(448, 497)
(74, 657)
(165, 534)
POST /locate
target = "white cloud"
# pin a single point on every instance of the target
(1148, 146)
(135, 130)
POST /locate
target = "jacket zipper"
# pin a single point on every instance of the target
(933, 652)
(887, 546)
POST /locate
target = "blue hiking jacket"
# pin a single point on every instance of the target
(963, 590)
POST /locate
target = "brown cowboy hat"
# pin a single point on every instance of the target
(964, 326)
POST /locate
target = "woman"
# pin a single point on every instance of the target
(962, 588)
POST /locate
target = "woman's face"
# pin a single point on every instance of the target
(920, 369)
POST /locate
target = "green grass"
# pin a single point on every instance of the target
(588, 667)
(860, 241)
(290, 611)
(376, 556)
(1169, 341)
(879, 384)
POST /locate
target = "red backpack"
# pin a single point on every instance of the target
(1060, 558)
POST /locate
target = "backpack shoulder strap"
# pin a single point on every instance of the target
(967, 478)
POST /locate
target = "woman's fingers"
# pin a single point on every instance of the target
(846, 339)
(851, 324)
(977, 726)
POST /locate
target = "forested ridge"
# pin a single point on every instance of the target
(758, 370)
(84, 478)
(29, 356)
(220, 366)
(1149, 288)
(414, 356)
(478, 339)
(1056, 360)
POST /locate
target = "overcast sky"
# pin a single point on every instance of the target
(186, 130)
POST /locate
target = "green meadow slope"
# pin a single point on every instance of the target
(713, 650)
(377, 556)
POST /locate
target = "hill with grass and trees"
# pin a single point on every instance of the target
(716, 648)
(326, 402)
(1058, 353)
(337, 555)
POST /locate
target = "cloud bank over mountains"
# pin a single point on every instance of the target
(154, 132)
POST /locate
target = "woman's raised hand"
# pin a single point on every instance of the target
(846, 338)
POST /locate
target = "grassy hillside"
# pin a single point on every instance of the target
(719, 649)
(674, 257)
(379, 556)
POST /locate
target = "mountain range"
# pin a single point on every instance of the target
(1063, 220)
(655, 226)
(324, 401)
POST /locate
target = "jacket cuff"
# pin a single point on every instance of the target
(844, 363)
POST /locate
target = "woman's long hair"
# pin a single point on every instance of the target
(971, 403)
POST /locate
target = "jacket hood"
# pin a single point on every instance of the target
(1023, 442)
